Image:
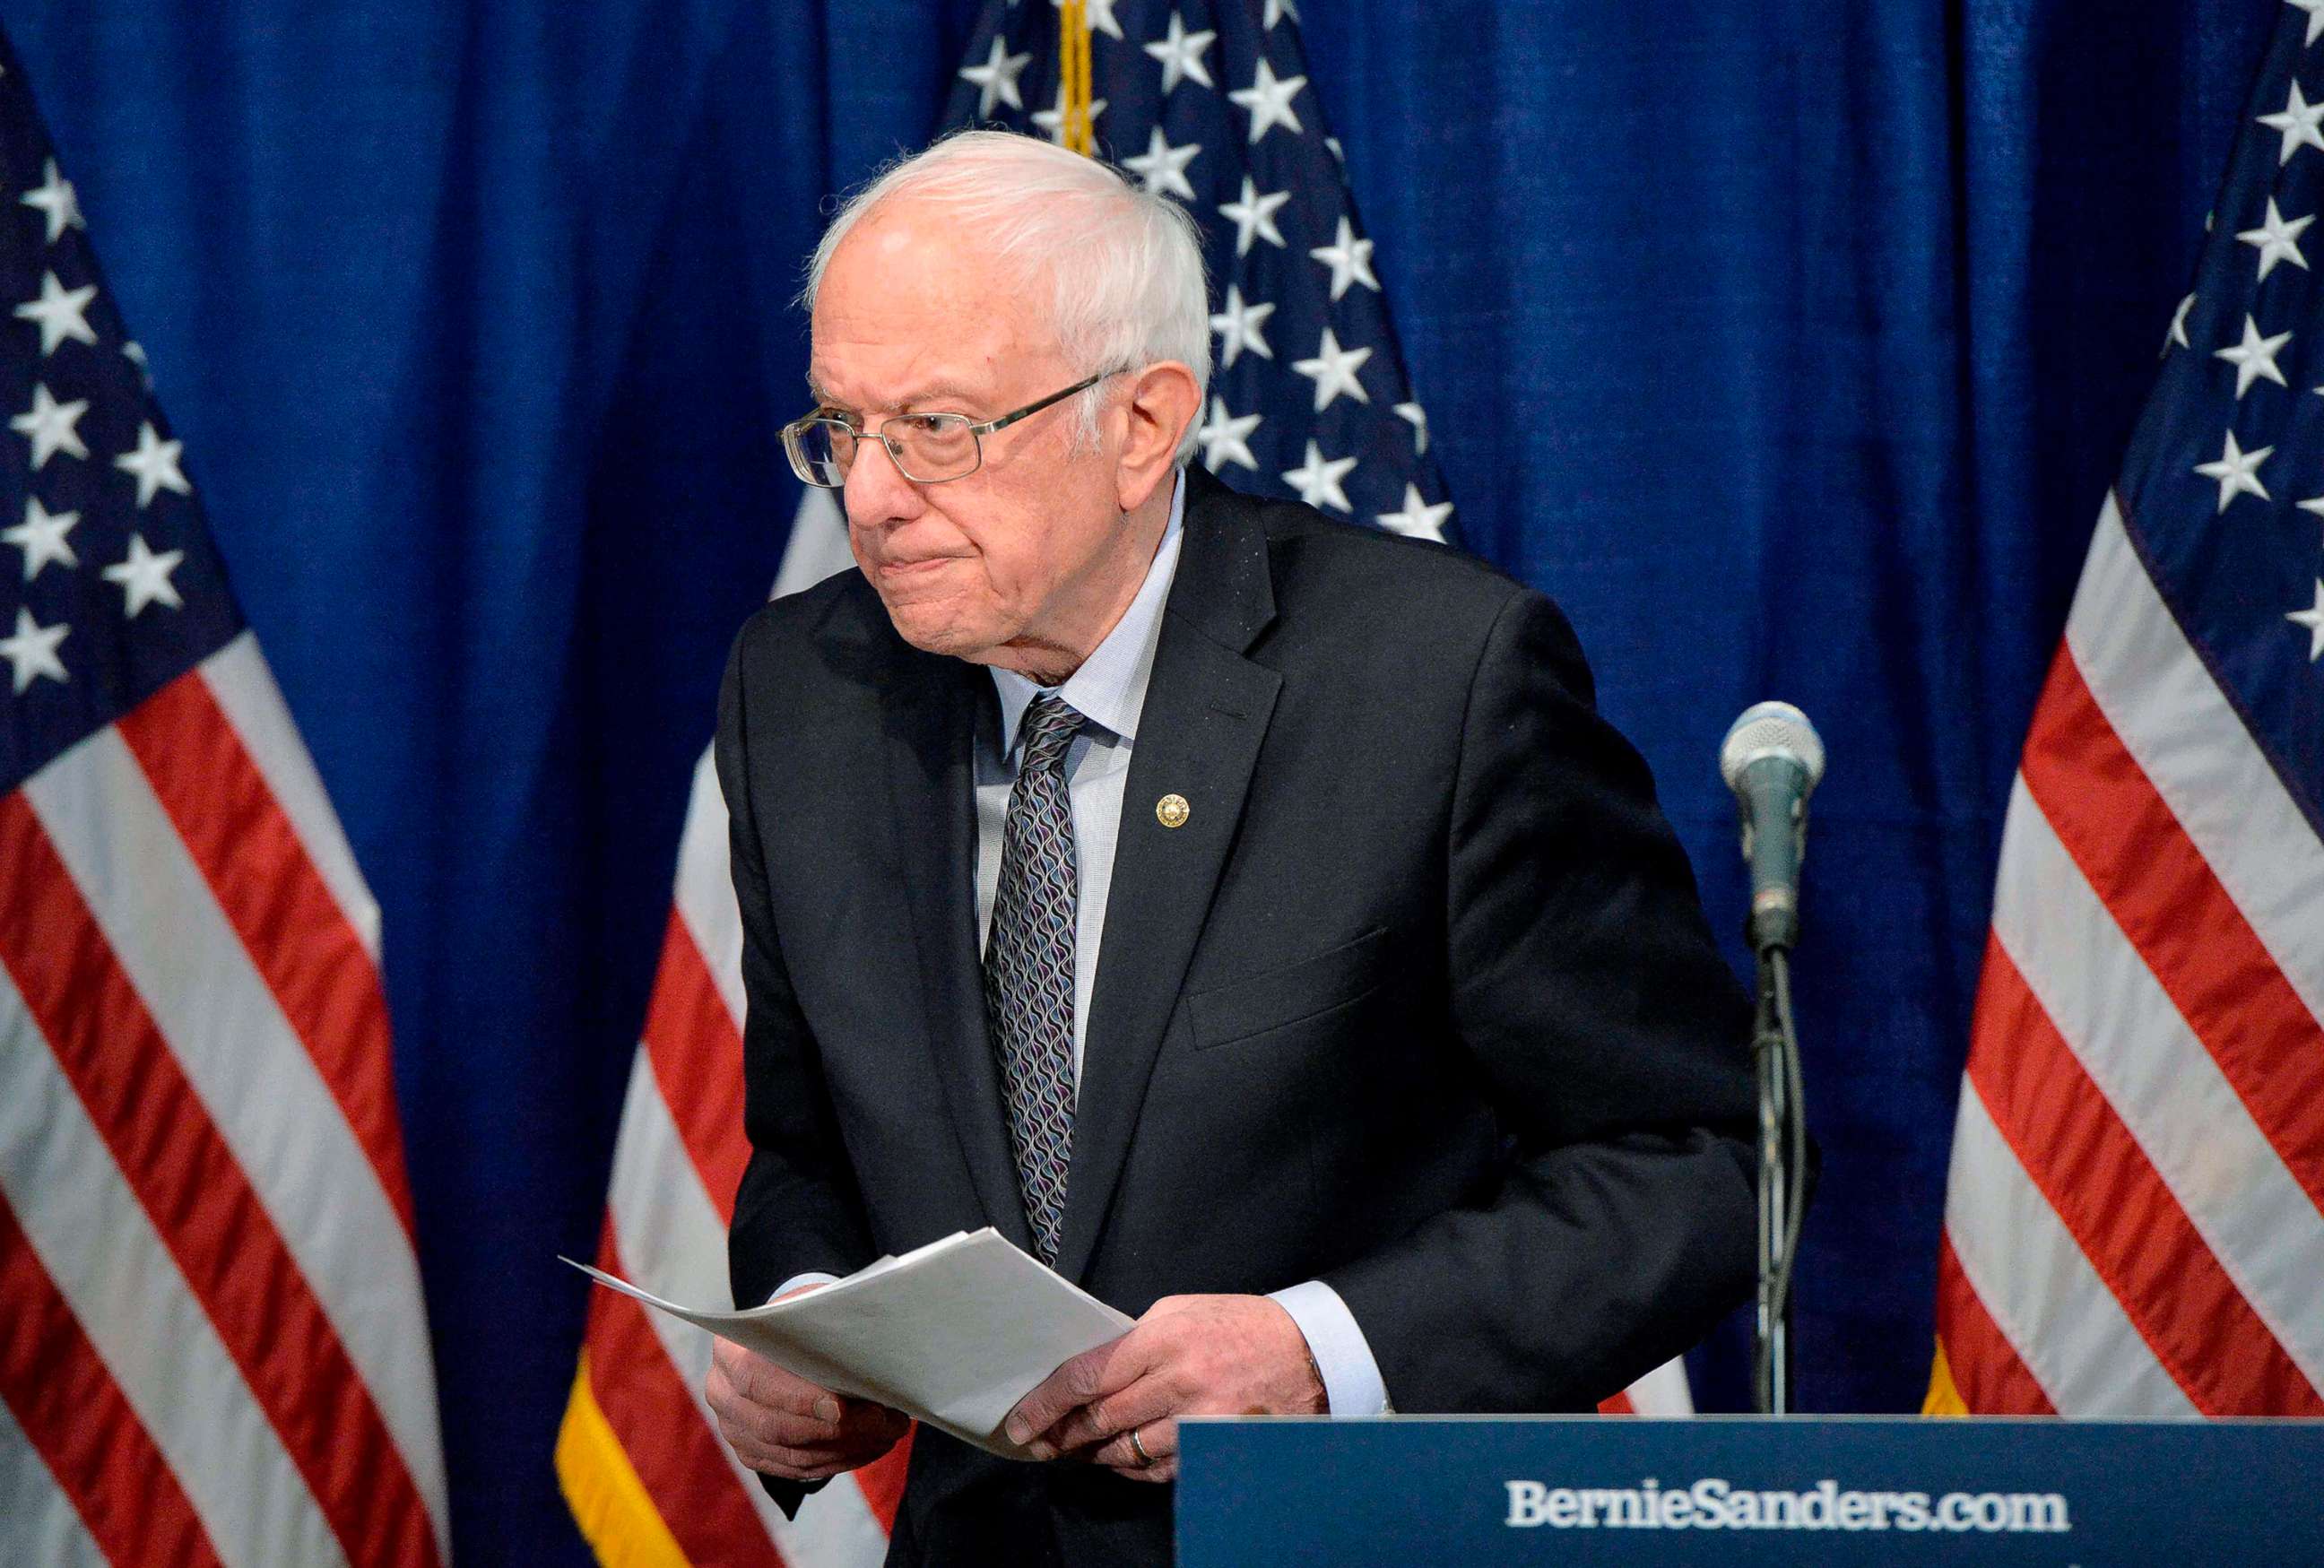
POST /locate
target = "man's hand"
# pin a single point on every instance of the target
(1189, 1355)
(781, 1424)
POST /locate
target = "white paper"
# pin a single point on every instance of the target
(953, 1333)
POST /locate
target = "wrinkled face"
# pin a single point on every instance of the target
(1003, 567)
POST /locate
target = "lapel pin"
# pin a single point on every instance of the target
(1172, 811)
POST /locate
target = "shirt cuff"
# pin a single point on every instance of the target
(817, 1278)
(1351, 1378)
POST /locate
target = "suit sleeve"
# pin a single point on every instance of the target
(798, 1210)
(1613, 1042)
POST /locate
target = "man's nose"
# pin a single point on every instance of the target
(877, 491)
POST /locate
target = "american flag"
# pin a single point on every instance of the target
(1210, 104)
(2134, 1225)
(212, 1348)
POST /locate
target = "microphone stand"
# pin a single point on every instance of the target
(1772, 758)
(1782, 1169)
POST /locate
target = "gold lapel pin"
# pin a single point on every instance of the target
(1172, 811)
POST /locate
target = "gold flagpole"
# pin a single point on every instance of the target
(1074, 75)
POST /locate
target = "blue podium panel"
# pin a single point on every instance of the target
(1478, 1492)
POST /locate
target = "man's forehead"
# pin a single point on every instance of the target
(910, 316)
(893, 360)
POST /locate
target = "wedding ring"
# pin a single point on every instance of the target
(1138, 1448)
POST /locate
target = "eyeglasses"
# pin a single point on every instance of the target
(927, 448)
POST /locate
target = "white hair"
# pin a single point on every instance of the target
(1123, 266)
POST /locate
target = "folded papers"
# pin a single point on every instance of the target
(953, 1333)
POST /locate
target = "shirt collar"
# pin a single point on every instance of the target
(1109, 688)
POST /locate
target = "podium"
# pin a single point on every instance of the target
(1481, 1492)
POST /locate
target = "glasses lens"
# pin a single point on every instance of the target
(821, 451)
(934, 446)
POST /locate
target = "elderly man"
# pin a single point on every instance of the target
(1245, 913)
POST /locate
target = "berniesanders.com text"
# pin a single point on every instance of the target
(1714, 1504)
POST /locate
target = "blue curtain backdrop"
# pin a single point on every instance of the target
(1790, 348)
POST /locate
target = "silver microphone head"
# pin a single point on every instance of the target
(1771, 729)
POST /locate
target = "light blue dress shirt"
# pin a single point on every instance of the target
(1108, 691)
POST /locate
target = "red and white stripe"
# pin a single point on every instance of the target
(677, 1164)
(2135, 1221)
(215, 1347)
(1665, 1391)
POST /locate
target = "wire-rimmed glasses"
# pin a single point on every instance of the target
(929, 448)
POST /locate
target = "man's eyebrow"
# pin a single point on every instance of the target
(935, 391)
(942, 392)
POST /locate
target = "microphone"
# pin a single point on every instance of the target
(1772, 758)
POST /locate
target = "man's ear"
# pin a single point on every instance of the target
(1161, 402)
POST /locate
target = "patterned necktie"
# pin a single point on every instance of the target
(1028, 969)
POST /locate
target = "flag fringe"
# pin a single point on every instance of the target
(609, 1502)
(1944, 1397)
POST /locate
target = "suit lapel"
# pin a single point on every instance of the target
(1206, 713)
(931, 731)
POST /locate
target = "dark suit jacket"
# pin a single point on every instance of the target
(1418, 1001)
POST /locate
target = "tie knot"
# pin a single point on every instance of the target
(1048, 727)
